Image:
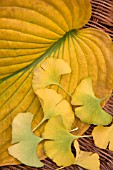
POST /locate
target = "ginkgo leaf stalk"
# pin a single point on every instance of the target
(62, 89)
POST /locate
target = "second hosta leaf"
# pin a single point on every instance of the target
(33, 30)
(88, 107)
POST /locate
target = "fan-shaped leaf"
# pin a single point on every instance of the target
(59, 140)
(53, 104)
(103, 136)
(25, 142)
(88, 160)
(49, 72)
(89, 109)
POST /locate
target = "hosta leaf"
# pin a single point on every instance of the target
(103, 136)
(49, 72)
(53, 104)
(89, 109)
(88, 160)
(33, 30)
(59, 140)
(96, 48)
(25, 142)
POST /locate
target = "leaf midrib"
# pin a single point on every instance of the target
(52, 48)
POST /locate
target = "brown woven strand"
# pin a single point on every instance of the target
(102, 18)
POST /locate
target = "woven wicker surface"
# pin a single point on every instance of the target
(102, 18)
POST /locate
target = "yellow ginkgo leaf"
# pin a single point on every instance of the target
(88, 160)
(77, 148)
(59, 140)
(53, 104)
(103, 137)
(88, 107)
(49, 72)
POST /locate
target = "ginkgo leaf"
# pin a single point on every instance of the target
(25, 142)
(77, 148)
(53, 104)
(89, 109)
(59, 140)
(88, 160)
(103, 137)
(49, 72)
(33, 30)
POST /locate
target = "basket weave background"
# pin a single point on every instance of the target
(102, 18)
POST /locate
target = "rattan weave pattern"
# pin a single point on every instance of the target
(102, 18)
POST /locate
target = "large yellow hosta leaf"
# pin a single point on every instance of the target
(33, 30)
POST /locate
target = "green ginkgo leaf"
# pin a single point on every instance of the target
(59, 140)
(49, 72)
(89, 109)
(88, 160)
(24, 142)
(53, 104)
